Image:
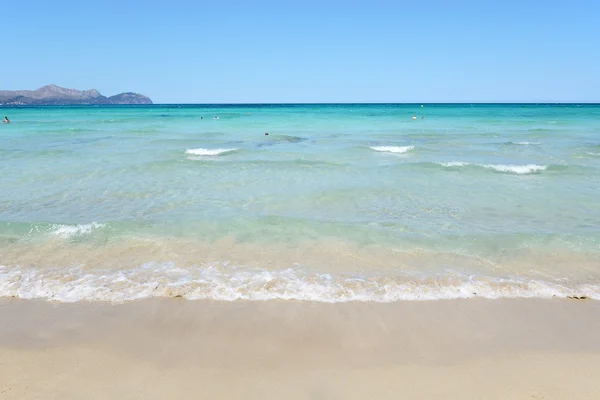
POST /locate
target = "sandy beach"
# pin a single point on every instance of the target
(159, 349)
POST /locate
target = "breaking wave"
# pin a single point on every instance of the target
(513, 169)
(393, 149)
(209, 152)
(68, 231)
(227, 283)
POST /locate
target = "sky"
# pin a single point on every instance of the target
(181, 51)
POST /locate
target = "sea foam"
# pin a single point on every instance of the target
(393, 149)
(209, 152)
(517, 169)
(513, 169)
(227, 284)
(454, 164)
(67, 231)
(524, 143)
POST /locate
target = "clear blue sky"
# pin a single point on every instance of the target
(307, 51)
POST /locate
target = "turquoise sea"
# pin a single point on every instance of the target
(343, 202)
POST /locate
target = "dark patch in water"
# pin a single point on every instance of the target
(279, 139)
(289, 139)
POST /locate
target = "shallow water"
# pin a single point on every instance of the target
(337, 203)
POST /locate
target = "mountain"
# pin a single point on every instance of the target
(56, 95)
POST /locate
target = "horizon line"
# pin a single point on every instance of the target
(317, 103)
(395, 102)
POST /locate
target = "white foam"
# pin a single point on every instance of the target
(527, 143)
(228, 283)
(208, 152)
(67, 231)
(514, 169)
(517, 169)
(593, 154)
(454, 164)
(393, 149)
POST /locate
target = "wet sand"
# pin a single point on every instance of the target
(180, 349)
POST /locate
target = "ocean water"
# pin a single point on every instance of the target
(337, 203)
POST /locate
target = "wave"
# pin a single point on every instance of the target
(518, 169)
(209, 152)
(524, 143)
(229, 284)
(454, 164)
(68, 231)
(392, 149)
(514, 169)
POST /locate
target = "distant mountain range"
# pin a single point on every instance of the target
(56, 95)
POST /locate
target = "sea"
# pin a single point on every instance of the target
(306, 202)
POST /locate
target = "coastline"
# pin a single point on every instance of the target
(175, 348)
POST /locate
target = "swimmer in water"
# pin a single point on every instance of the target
(215, 117)
(415, 116)
(266, 133)
(6, 120)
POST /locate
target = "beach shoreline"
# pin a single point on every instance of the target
(175, 348)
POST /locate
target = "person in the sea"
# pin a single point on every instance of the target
(415, 116)
(6, 120)
(266, 133)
